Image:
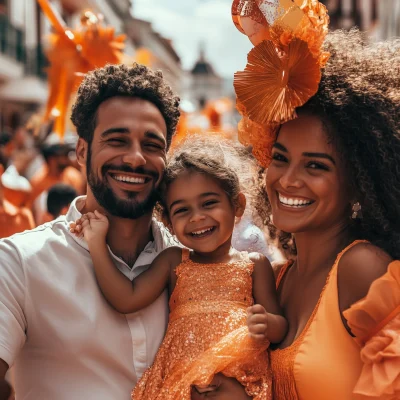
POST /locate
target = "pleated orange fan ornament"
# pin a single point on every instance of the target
(284, 68)
(274, 83)
(71, 54)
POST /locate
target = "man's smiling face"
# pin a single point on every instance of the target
(126, 160)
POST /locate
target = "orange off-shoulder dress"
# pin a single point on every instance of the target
(326, 363)
(207, 334)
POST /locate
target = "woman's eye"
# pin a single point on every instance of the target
(279, 157)
(317, 165)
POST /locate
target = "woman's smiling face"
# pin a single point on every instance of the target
(306, 180)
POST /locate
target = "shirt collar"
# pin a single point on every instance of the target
(162, 237)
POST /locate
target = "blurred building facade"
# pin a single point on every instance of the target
(23, 39)
(22, 77)
(203, 83)
(379, 18)
(158, 51)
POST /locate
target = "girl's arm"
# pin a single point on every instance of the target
(265, 317)
(125, 296)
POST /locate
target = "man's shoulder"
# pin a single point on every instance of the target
(34, 240)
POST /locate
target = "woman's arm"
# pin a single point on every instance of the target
(265, 317)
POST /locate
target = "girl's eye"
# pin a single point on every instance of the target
(279, 157)
(180, 210)
(210, 203)
(317, 165)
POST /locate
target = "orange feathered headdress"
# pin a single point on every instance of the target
(283, 69)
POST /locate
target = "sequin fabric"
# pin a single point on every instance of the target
(207, 334)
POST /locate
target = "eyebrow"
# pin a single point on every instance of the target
(110, 131)
(126, 131)
(307, 154)
(202, 195)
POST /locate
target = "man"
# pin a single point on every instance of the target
(16, 188)
(65, 339)
(56, 169)
(12, 219)
(59, 199)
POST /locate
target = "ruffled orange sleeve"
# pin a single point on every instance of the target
(375, 322)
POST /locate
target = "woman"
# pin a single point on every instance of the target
(332, 196)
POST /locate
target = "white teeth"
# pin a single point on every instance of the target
(129, 179)
(201, 232)
(292, 202)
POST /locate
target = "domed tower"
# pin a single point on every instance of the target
(205, 83)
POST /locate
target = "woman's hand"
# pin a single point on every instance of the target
(257, 322)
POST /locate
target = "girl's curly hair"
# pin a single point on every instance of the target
(359, 102)
(225, 161)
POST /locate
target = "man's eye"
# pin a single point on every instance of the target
(115, 141)
(155, 146)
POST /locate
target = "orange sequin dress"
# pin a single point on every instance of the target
(207, 334)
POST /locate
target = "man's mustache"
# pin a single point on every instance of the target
(128, 169)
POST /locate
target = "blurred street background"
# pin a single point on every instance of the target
(193, 42)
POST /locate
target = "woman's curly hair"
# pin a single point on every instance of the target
(359, 102)
(122, 80)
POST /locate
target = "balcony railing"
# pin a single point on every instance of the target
(12, 44)
(12, 40)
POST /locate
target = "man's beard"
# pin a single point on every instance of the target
(129, 208)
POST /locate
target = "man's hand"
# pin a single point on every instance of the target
(92, 226)
(257, 322)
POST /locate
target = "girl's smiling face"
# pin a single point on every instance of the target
(201, 213)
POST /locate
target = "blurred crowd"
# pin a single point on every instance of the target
(39, 176)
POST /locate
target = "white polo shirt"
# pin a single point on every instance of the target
(66, 341)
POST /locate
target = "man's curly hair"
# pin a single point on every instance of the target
(122, 80)
(359, 102)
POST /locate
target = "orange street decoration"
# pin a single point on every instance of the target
(208, 121)
(71, 54)
(144, 56)
(284, 68)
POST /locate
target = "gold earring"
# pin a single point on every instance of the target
(356, 210)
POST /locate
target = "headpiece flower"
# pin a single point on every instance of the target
(284, 68)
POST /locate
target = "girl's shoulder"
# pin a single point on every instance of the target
(173, 255)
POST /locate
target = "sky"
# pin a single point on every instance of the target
(191, 23)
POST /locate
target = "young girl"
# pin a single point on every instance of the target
(212, 286)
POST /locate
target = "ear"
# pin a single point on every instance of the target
(81, 152)
(167, 223)
(240, 205)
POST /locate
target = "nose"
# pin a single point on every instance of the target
(134, 156)
(197, 216)
(290, 179)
